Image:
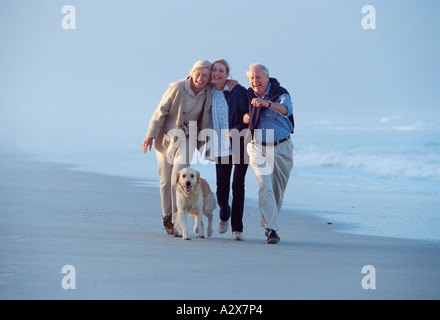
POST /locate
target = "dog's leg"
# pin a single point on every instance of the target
(209, 227)
(208, 207)
(177, 229)
(182, 223)
(198, 226)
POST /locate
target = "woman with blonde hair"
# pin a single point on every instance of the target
(185, 103)
(227, 111)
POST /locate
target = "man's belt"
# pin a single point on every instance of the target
(272, 143)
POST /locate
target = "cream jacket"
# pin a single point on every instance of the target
(170, 114)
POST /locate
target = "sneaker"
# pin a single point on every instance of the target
(222, 226)
(238, 236)
(272, 237)
(168, 224)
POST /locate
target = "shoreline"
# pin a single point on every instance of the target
(111, 231)
(374, 211)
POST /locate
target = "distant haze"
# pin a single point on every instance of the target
(97, 86)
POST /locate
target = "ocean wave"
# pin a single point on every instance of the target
(402, 164)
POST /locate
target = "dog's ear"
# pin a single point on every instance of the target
(198, 176)
(177, 177)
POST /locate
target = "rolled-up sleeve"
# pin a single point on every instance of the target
(285, 100)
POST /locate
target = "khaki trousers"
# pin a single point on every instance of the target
(168, 168)
(272, 166)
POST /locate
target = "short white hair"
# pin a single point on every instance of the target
(200, 64)
(263, 68)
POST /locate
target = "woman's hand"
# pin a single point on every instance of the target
(147, 144)
(246, 118)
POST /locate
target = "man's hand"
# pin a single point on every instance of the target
(278, 107)
(258, 102)
(246, 118)
(147, 144)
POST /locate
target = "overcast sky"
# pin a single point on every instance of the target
(99, 84)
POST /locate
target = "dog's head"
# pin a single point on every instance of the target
(187, 178)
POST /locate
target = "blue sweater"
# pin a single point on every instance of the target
(238, 107)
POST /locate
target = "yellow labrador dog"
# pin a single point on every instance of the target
(193, 197)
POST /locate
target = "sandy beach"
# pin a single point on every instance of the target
(80, 214)
(110, 230)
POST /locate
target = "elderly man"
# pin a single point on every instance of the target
(271, 152)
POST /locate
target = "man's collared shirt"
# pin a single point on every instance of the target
(272, 120)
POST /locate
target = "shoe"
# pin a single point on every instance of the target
(272, 237)
(168, 224)
(238, 236)
(222, 226)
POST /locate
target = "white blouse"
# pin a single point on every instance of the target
(220, 117)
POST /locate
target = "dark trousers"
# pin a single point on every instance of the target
(224, 171)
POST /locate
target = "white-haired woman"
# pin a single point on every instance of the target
(185, 103)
